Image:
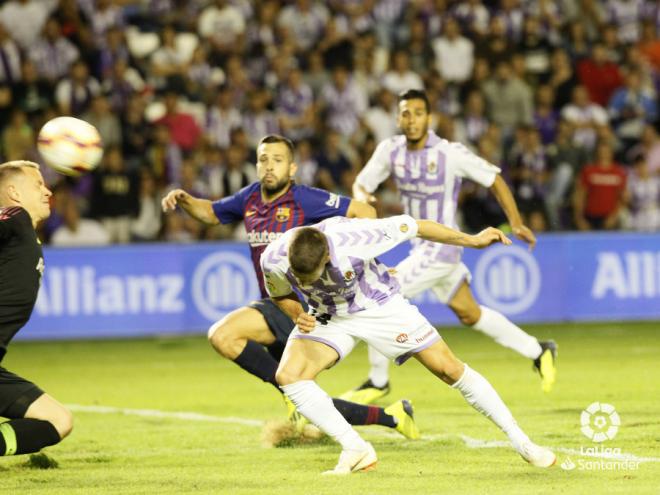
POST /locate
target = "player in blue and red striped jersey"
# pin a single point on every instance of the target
(254, 336)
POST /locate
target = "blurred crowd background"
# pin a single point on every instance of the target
(561, 94)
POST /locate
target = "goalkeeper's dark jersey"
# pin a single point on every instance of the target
(21, 267)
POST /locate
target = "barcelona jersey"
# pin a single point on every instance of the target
(268, 221)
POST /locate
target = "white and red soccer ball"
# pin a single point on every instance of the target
(69, 145)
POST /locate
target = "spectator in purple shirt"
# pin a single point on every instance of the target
(546, 117)
(75, 93)
(343, 102)
(53, 54)
(295, 106)
(303, 22)
(335, 170)
(259, 121)
(221, 118)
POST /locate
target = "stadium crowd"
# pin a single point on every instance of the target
(561, 94)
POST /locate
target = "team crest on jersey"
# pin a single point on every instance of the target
(349, 275)
(282, 214)
(402, 338)
(432, 168)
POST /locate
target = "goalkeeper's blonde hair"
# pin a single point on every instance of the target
(9, 170)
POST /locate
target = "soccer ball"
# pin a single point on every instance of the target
(69, 145)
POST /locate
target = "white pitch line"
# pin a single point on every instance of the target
(475, 443)
(154, 413)
(472, 443)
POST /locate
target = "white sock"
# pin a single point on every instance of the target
(313, 403)
(481, 395)
(379, 371)
(505, 333)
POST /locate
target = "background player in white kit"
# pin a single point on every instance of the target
(428, 172)
(353, 297)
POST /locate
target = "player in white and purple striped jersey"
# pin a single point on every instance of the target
(428, 171)
(254, 336)
(333, 267)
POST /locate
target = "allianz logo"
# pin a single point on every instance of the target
(222, 282)
(507, 279)
(219, 283)
(627, 275)
(81, 291)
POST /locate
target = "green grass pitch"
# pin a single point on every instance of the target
(118, 453)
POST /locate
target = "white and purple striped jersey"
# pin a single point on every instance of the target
(429, 181)
(353, 280)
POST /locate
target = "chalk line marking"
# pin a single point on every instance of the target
(154, 413)
(472, 443)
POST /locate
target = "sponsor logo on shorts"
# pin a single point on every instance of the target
(402, 338)
(424, 337)
(403, 228)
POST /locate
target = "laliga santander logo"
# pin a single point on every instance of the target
(507, 278)
(600, 422)
(221, 283)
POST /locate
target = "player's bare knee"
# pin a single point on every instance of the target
(225, 340)
(215, 331)
(467, 316)
(469, 319)
(285, 376)
(62, 420)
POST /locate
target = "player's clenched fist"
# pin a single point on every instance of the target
(490, 236)
(170, 201)
(306, 322)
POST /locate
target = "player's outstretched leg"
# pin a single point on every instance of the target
(398, 416)
(40, 424)
(241, 336)
(302, 361)
(481, 395)
(378, 383)
(504, 332)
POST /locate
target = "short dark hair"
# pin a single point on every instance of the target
(276, 138)
(307, 250)
(415, 94)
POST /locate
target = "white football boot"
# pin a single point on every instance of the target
(537, 456)
(352, 461)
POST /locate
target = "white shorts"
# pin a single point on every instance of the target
(396, 329)
(417, 274)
